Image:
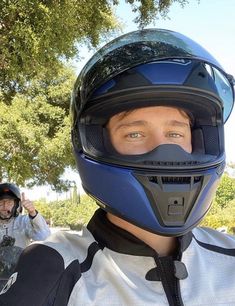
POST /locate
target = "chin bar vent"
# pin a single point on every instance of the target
(174, 179)
(172, 197)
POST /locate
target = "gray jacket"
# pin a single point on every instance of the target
(25, 229)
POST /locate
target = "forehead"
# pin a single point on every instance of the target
(7, 200)
(161, 113)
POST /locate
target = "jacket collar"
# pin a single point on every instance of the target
(117, 239)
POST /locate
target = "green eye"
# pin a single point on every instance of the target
(134, 135)
(175, 135)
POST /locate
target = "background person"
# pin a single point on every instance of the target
(20, 228)
(148, 115)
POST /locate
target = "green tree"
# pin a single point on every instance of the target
(226, 191)
(38, 34)
(219, 217)
(149, 10)
(35, 132)
(66, 213)
(44, 209)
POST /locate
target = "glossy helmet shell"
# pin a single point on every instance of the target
(166, 191)
(11, 191)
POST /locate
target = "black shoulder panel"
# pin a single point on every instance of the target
(66, 284)
(41, 279)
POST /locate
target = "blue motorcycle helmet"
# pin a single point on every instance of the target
(166, 191)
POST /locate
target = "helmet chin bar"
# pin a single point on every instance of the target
(157, 200)
(173, 197)
(172, 193)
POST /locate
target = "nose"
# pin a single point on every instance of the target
(158, 138)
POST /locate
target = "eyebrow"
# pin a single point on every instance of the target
(132, 123)
(174, 123)
(178, 123)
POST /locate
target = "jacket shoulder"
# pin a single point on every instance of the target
(70, 245)
(210, 236)
(48, 271)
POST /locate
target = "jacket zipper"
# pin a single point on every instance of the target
(169, 281)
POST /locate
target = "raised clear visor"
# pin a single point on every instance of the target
(180, 44)
(146, 46)
(225, 91)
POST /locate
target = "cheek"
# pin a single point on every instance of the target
(9, 207)
(187, 146)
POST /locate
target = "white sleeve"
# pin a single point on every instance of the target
(37, 228)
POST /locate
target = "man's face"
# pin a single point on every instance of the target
(6, 206)
(141, 130)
